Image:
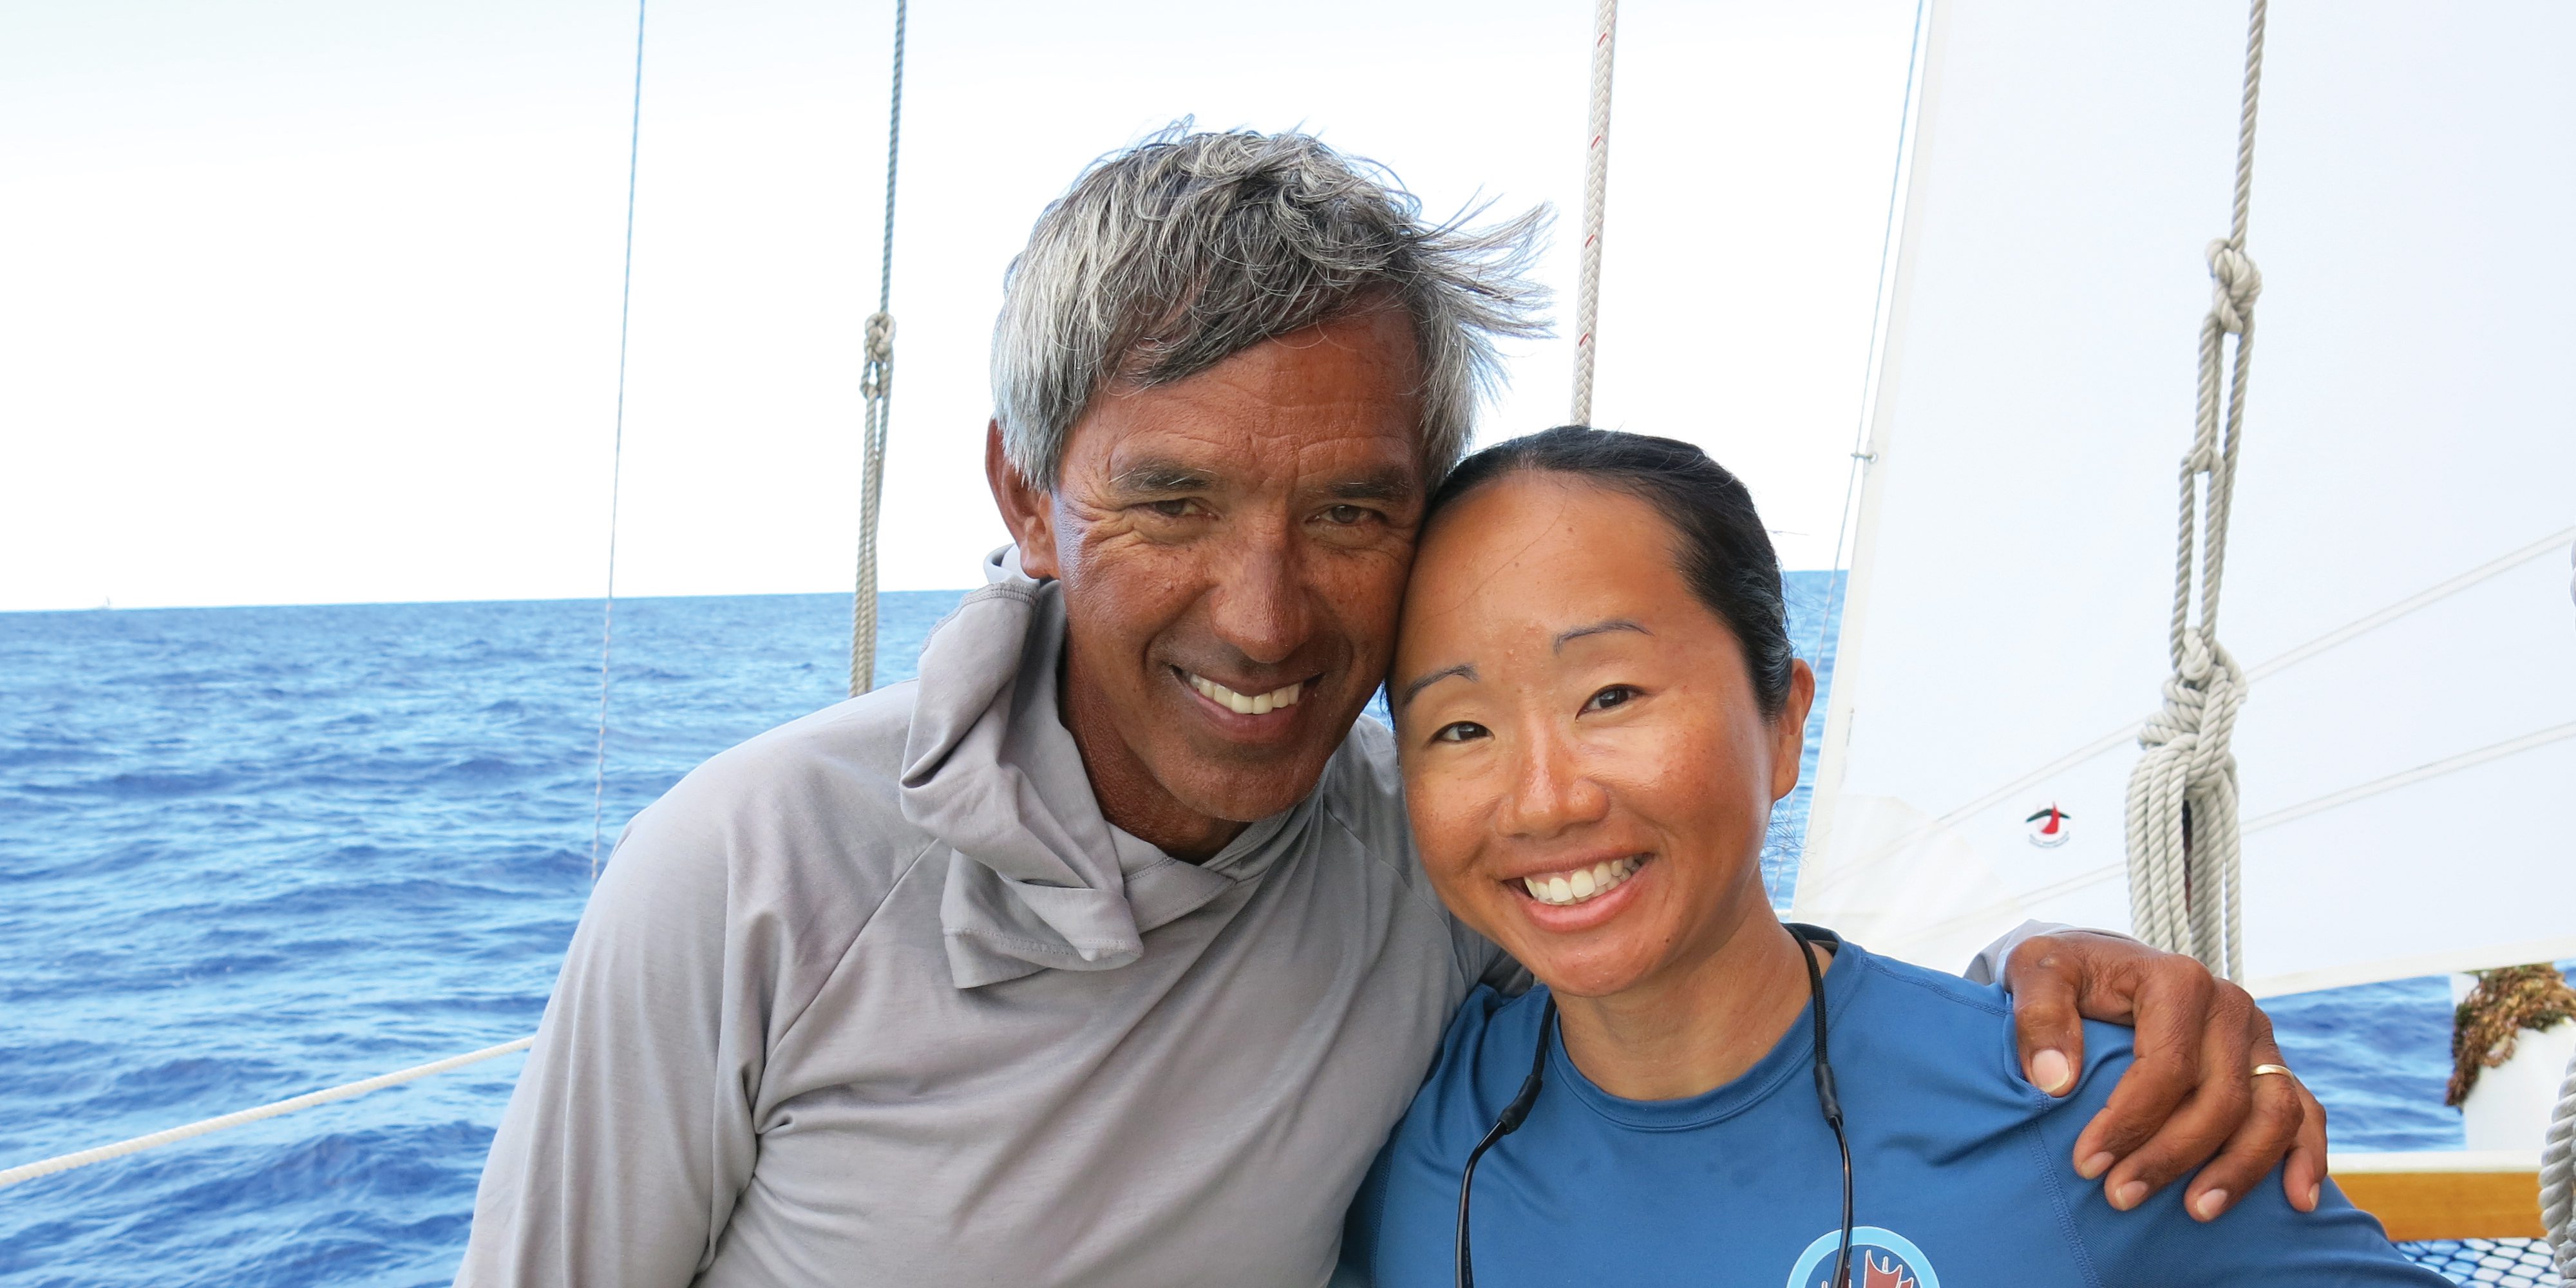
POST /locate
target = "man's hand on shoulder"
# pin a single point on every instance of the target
(2190, 1096)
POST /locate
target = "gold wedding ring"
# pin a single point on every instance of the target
(2283, 1070)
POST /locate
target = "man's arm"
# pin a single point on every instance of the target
(628, 1137)
(2191, 1097)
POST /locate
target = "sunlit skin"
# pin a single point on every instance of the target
(1251, 524)
(1566, 699)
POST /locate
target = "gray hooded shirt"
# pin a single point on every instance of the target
(879, 997)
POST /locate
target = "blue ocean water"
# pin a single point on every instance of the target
(250, 852)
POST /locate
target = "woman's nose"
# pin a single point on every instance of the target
(1551, 793)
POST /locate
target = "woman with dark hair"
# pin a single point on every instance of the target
(1597, 705)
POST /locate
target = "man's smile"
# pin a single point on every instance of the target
(1251, 704)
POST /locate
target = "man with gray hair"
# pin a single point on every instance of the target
(1099, 954)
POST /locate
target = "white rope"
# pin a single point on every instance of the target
(617, 453)
(1596, 192)
(876, 385)
(2558, 1178)
(2183, 843)
(2558, 1160)
(66, 1162)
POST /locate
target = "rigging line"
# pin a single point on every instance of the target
(2286, 814)
(2181, 811)
(83, 1158)
(876, 386)
(617, 450)
(1870, 369)
(1596, 196)
(2394, 611)
(2327, 642)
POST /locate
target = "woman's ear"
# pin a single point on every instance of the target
(1025, 507)
(1789, 730)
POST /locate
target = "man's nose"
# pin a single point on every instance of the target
(1551, 791)
(1261, 607)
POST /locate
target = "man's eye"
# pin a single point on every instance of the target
(1459, 731)
(1180, 509)
(1617, 695)
(1345, 516)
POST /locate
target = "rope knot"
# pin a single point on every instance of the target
(2235, 283)
(878, 378)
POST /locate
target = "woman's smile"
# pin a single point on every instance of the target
(1565, 901)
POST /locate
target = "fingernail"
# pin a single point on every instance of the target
(2211, 1204)
(2093, 1167)
(2129, 1195)
(2050, 1072)
(2315, 1192)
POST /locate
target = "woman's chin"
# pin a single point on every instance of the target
(1594, 948)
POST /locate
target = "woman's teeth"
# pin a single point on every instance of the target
(1254, 705)
(1562, 888)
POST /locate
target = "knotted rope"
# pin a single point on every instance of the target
(2182, 825)
(2558, 1179)
(1596, 195)
(876, 386)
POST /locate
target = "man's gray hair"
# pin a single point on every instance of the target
(1171, 256)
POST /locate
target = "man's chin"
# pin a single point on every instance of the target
(1246, 789)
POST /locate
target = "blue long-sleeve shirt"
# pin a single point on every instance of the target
(1963, 1171)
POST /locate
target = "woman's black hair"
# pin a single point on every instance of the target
(1724, 552)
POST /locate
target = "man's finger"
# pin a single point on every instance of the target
(2045, 1022)
(2278, 1117)
(2303, 1177)
(2172, 1008)
(2214, 1111)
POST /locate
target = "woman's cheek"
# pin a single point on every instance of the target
(1443, 830)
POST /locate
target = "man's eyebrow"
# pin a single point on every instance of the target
(1391, 485)
(1598, 628)
(1463, 671)
(1161, 476)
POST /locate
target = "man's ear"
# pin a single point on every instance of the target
(1025, 507)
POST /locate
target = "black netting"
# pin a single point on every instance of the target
(2508, 1263)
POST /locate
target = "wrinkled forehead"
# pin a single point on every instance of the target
(1334, 406)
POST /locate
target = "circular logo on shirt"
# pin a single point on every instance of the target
(1880, 1259)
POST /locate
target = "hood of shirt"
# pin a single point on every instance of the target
(1039, 879)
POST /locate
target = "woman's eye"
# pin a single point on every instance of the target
(1459, 731)
(1617, 695)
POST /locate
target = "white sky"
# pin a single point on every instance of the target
(316, 300)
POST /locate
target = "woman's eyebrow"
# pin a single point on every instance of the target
(1463, 671)
(1597, 628)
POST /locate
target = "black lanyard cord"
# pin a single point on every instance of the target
(1514, 1114)
(1518, 1111)
(1827, 1099)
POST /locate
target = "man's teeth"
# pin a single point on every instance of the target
(1563, 888)
(1254, 705)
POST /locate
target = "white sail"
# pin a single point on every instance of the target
(2398, 570)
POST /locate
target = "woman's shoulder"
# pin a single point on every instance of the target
(1489, 1043)
(1938, 1034)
